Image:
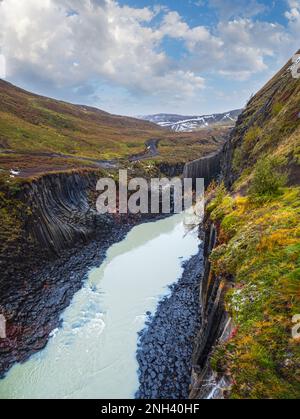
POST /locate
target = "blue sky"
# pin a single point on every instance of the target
(139, 57)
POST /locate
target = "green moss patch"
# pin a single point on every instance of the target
(259, 244)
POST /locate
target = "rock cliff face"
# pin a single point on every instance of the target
(269, 126)
(215, 324)
(62, 213)
(54, 213)
(171, 170)
(207, 167)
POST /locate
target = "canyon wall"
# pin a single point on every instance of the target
(207, 167)
(216, 325)
(262, 147)
(171, 169)
(47, 216)
(62, 210)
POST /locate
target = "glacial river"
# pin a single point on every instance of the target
(93, 354)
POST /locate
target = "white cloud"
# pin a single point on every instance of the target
(79, 44)
(175, 27)
(238, 48)
(294, 3)
(70, 42)
(229, 9)
(293, 16)
(2, 67)
(250, 44)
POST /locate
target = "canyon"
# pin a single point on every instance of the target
(61, 217)
(222, 304)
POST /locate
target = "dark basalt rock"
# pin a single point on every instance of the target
(207, 168)
(64, 237)
(34, 299)
(214, 319)
(171, 170)
(166, 345)
(62, 212)
(58, 215)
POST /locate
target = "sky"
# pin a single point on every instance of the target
(138, 57)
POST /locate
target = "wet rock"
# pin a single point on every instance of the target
(166, 344)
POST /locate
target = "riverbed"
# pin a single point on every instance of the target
(93, 354)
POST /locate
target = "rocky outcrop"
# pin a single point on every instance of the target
(62, 211)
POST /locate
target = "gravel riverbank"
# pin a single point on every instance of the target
(166, 344)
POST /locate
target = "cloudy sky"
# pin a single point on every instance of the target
(137, 56)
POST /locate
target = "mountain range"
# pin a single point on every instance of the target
(184, 123)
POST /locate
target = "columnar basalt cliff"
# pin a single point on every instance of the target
(171, 170)
(248, 290)
(51, 214)
(207, 168)
(216, 323)
(62, 211)
(59, 237)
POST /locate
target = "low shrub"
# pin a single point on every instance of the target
(268, 178)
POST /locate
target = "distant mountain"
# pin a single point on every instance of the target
(180, 123)
(41, 135)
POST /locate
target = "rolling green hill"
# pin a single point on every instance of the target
(41, 135)
(33, 123)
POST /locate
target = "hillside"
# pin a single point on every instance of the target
(40, 135)
(270, 125)
(46, 144)
(33, 123)
(180, 123)
(255, 264)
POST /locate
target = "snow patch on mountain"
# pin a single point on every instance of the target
(180, 123)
